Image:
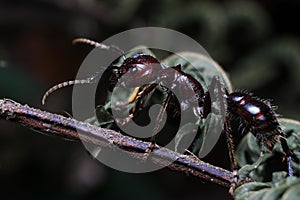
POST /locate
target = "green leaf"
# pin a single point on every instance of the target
(247, 169)
(185, 130)
(210, 133)
(249, 187)
(278, 176)
(257, 195)
(103, 116)
(292, 193)
(281, 187)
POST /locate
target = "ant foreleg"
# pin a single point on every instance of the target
(138, 98)
(130, 100)
(141, 95)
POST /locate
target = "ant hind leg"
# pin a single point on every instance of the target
(287, 155)
(231, 149)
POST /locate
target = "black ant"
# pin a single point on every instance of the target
(251, 113)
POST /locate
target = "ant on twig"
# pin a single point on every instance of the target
(146, 73)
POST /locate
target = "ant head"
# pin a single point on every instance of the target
(138, 70)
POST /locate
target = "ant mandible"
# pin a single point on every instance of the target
(253, 114)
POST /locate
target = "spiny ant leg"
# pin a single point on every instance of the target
(287, 155)
(231, 148)
(230, 143)
(158, 122)
(241, 130)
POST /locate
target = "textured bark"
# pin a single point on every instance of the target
(67, 127)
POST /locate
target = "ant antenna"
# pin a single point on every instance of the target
(99, 45)
(67, 83)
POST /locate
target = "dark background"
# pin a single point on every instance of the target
(257, 42)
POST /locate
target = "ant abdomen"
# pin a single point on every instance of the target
(257, 116)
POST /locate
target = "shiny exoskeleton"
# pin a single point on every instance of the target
(257, 116)
(143, 69)
(147, 73)
(254, 115)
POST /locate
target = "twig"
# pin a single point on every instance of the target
(67, 128)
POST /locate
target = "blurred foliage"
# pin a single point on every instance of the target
(257, 43)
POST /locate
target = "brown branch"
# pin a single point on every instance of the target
(67, 128)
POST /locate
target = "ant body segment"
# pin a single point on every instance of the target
(146, 73)
(141, 69)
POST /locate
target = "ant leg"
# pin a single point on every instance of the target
(137, 104)
(131, 99)
(287, 155)
(230, 144)
(134, 95)
(141, 95)
(231, 149)
(158, 122)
